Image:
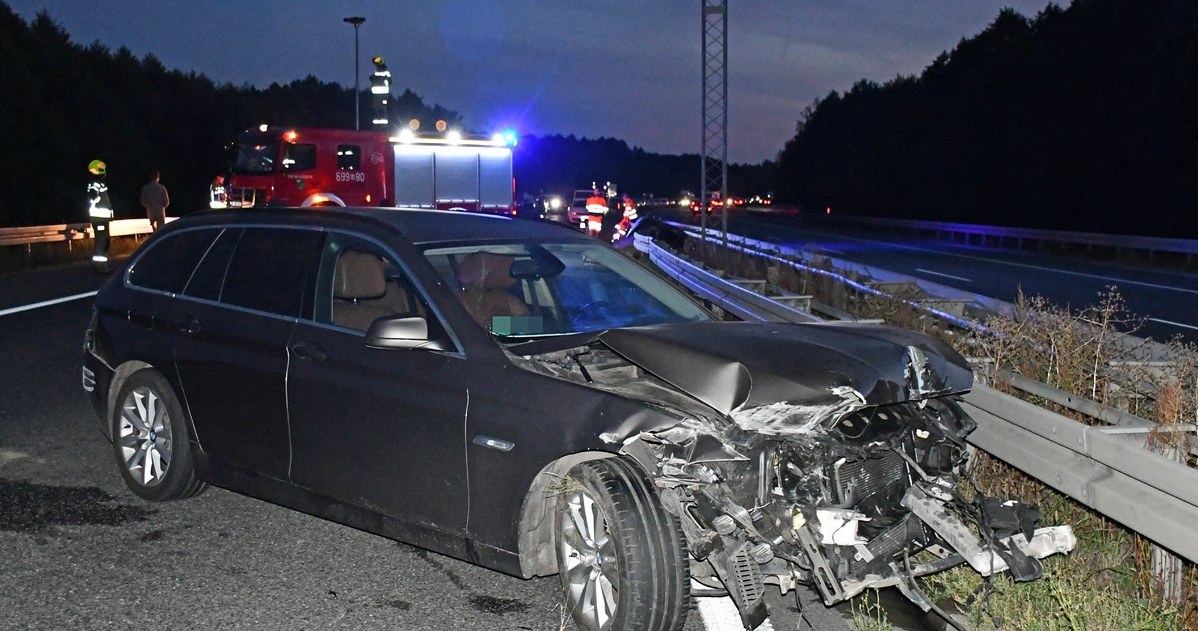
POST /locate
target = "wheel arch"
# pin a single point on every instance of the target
(119, 377)
(538, 556)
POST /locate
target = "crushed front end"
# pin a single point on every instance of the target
(831, 456)
(844, 505)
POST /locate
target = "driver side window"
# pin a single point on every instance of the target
(359, 282)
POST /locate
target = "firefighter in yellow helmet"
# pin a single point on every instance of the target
(99, 212)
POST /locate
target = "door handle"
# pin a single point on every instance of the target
(187, 325)
(308, 350)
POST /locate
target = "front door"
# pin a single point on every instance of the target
(379, 429)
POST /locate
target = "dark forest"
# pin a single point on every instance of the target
(1081, 118)
(66, 104)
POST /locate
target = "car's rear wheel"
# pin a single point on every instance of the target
(620, 554)
(150, 440)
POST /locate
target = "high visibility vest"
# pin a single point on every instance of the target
(98, 206)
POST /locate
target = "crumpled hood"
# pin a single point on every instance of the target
(744, 365)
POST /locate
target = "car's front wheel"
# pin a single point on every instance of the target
(150, 440)
(620, 554)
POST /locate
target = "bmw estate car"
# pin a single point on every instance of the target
(381, 367)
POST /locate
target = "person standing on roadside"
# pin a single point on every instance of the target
(99, 213)
(155, 200)
(596, 211)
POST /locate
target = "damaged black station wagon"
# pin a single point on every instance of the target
(520, 396)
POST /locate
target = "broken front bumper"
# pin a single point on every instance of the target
(990, 553)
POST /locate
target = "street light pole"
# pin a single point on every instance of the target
(356, 21)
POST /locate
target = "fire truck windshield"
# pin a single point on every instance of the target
(255, 158)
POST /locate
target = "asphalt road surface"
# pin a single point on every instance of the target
(79, 551)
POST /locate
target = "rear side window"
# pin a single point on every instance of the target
(269, 269)
(167, 264)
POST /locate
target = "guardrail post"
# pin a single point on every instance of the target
(1166, 567)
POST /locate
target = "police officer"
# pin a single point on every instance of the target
(99, 212)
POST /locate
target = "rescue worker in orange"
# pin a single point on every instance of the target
(596, 209)
(629, 215)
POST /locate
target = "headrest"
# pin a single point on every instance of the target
(483, 270)
(359, 275)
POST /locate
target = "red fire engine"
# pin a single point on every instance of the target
(275, 166)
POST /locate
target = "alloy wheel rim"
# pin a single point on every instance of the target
(590, 568)
(144, 436)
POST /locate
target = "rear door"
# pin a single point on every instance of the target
(231, 328)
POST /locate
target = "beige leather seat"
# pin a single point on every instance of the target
(359, 284)
(485, 280)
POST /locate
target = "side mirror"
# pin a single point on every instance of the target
(398, 332)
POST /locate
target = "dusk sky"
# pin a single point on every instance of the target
(622, 69)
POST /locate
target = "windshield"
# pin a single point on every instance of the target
(536, 289)
(255, 157)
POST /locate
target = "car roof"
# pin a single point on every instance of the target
(422, 227)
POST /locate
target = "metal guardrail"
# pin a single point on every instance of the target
(27, 235)
(938, 294)
(1096, 466)
(1145, 491)
(731, 297)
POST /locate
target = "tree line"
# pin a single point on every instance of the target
(559, 164)
(1081, 118)
(65, 104)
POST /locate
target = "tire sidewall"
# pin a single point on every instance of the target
(585, 478)
(179, 474)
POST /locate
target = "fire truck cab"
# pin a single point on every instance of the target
(275, 166)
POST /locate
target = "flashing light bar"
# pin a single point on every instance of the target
(405, 137)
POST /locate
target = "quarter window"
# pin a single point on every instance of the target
(168, 263)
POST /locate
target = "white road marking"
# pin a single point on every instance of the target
(7, 456)
(1184, 326)
(1117, 281)
(46, 303)
(720, 614)
(928, 271)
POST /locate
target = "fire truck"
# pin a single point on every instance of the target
(277, 166)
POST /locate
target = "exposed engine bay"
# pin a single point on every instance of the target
(837, 489)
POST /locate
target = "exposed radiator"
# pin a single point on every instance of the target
(853, 481)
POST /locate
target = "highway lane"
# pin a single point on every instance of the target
(80, 551)
(1163, 297)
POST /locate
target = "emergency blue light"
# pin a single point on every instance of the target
(509, 137)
